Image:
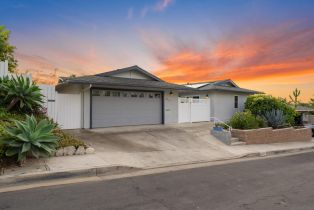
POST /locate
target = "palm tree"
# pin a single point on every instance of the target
(294, 99)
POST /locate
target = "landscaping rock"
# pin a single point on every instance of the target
(60, 152)
(70, 150)
(80, 150)
(90, 150)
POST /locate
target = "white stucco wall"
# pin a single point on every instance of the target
(170, 107)
(86, 108)
(222, 103)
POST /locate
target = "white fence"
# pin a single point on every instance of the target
(4, 68)
(4, 71)
(193, 110)
(65, 109)
(50, 98)
(68, 113)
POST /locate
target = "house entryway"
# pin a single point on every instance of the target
(193, 110)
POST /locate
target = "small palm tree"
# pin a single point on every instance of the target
(311, 102)
(22, 94)
(295, 98)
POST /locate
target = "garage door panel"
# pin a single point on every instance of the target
(111, 110)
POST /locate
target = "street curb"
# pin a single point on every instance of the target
(31, 178)
(9, 180)
(278, 152)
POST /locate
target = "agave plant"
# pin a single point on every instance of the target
(275, 118)
(30, 138)
(22, 94)
(3, 83)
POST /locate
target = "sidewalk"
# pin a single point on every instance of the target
(147, 160)
(162, 153)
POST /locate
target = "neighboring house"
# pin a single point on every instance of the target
(128, 96)
(306, 112)
(226, 97)
(133, 96)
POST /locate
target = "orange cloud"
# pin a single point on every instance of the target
(281, 51)
(46, 71)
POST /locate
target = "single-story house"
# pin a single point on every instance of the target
(226, 97)
(128, 96)
(307, 113)
(133, 96)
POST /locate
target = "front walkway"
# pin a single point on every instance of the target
(147, 147)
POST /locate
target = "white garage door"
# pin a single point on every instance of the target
(121, 108)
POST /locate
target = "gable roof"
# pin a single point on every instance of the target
(223, 83)
(227, 85)
(131, 68)
(302, 108)
(107, 80)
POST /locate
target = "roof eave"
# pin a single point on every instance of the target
(102, 85)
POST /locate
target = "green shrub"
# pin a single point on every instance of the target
(2, 152)
(21, 95)
(261, 122)
(30, 138)
(66, 139)
(3, 83)
(275, 118)
(246, 120)
(259, 104)
(223, 125)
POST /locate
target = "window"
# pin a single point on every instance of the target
(107, 93)
(150, 95)
(142, 95)
(196, 97)
(125, 94)
(116, 94)
(134, 95)
(157, 95)
(236, 102)
(95, 93)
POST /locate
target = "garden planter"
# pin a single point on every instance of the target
(269, 135)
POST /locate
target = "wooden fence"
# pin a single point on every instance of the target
(48, 91)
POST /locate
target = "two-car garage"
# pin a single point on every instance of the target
(122, 97)
(125, 107)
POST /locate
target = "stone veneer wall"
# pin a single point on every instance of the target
(269, 135)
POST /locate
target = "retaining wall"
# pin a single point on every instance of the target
(269, 135)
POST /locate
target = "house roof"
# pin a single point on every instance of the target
(226, 85)
(107, 81)
(131, 68)
(301, 108)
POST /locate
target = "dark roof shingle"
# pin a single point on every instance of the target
(118, 81)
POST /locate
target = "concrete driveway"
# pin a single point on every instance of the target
(148, 147)
(135, 139)
(153, 146)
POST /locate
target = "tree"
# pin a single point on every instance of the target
(7, 50)
(311, 102)
(294, 99)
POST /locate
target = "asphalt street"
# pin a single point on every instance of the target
(272, 183)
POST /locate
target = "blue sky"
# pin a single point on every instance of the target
(255, 42)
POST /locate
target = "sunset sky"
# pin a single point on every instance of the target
(266, 45)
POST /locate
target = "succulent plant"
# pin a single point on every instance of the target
(30, 137)
(275, 118)
(21, 94)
